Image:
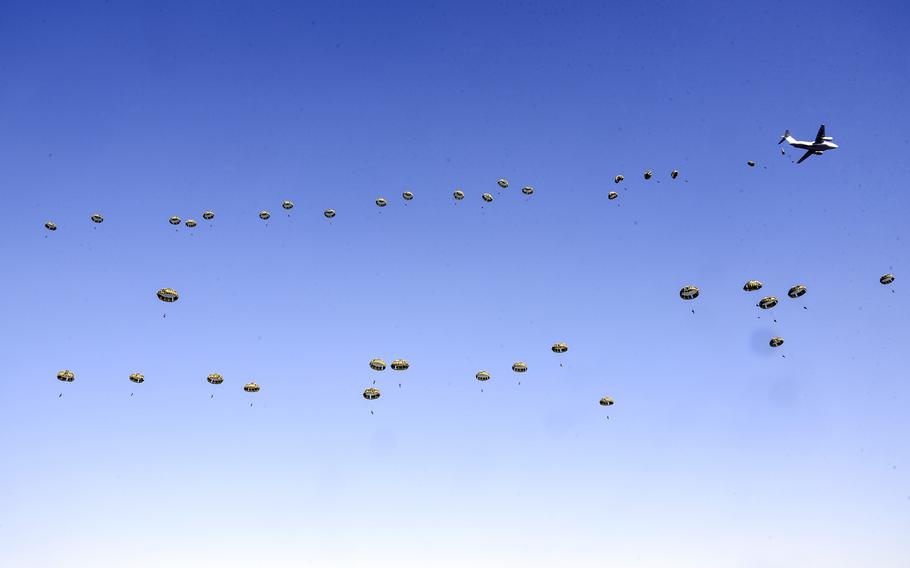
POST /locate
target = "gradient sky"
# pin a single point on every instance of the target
(719, 451)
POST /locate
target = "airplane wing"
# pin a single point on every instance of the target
(819, 138)
(806, 155)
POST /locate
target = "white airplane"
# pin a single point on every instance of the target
(822, 143)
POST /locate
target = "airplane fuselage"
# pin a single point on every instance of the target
(813, 146)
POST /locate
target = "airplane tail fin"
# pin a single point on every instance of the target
(784, 137)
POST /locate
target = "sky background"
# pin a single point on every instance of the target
(719, 451)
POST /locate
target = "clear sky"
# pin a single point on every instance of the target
(720, 451)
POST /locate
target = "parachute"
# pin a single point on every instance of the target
(674, 174)
(482, 376)
(251, 387)
(168, 295)
(287, 204)
(407, 196)
(751, 164)
(381, 202)
(612, 195)
(399, 365)
(606, 401)
(175, 220)
(208, 215)
(264, 215)
(371, 393)
(618, 179)
(776, 341)
(137, 378)
(527, 190)
(215, 379)
(329, 213)
(503, 183)
(688, 292)
(97, 218)
(767, 302)
(648, 174)
(559, 348)
(752, 285)
(886, 279)
(377, 364)
(797, 291)
(458, 194)
(487, 197)
(66, 376)
(190, 223)
(520, 367)
(50, 226)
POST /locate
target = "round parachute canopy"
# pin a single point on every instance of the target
(648, 174)
(688, 292)
(752, 285)
(377, 364)
(776, 341)
(618, 179)
(97, 218)
(50, 226)
(137, 378)
(287, 204)
(606, 401)
(190, 223)
(751, 164)
(215, 378)
(503, 183)
(66, 376)
(329, 213)
(251, 387)
(886, 279)
(674, 174)
(527, 190)
(559, 348)
(520, 367)
(264, 215)
(407, 196)
(612, 195)
(399, 365)
(168, 295)
(371, 393)
(175, 220)
(487, 197)
(381, 202)
(767, 302)
(797, 291)
(208, 215)
(458, 194)
(482, 376)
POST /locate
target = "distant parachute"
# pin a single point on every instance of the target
(776, 341)
(50, 226)
(287, 204)
(377, 364)
(487, 197)
(797, 291)
(482, 376)
(751, 164)
(612, 195)
(648, 174)
(752, 285)
(137, 378)
(618, 179)
(606, 401)
(371, 393)
(329, 213)
(399, 365)
(767, 302)
(503, 183)
(674, 174)
(97, 218)
(215, 378)
(458, 194)
(175, 220)
(208, 215)
(251, 387)
(688, 292)
(264, 215)
(886, 279)
(527, 190)
(559, 348)
(168, 295)
(66, 376)
(520, 367)
(190, 223)
(407, 196)
(381, 202)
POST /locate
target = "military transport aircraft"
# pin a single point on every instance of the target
(822, 143)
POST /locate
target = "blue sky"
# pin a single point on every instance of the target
(718, 452)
